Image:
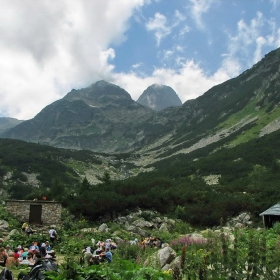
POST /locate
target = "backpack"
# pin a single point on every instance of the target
(6, 274)
(38, 271)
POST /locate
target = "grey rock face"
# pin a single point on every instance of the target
(159, 97)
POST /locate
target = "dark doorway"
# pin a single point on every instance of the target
(35, 214)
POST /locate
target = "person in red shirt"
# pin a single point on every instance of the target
(16, 255)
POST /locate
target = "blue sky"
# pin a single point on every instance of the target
(47, 48)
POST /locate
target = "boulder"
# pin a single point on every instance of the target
(88, 230)
(157, 220)
(161, 258)
(166, 267)
(103, 228)
(13, 232)
(171, 222)
(176, 263)
(238, 225)
(4, 225)
(163, 227)
(143, 224)
(141, 232)
(121, 220)
(137, 230)
(130, 228)
(130, 218)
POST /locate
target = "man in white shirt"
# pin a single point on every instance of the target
(53, 235)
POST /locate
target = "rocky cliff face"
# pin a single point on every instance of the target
(159, 97)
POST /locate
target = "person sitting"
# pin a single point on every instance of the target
(20, 250)
(30, 259)
(8, 250)
(158, 243)
(24, 254)
(43, 250)
(34, 248)
(87, 254)
(16, 254)
(29, 230)
(24, 227)
(100, 244)
(113, 245)
(11, 261)
(107, 255)
(134, 242)
(49, 249)
(37, 257)
(3, 256)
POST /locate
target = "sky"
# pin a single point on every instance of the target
(47, 48)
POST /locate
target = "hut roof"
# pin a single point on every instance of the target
(274, 210)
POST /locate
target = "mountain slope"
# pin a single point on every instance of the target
(247, 103)
(7, 123)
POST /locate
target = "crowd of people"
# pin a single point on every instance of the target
(27, 254)
(101, 253)
(94, 254)
(102, 250)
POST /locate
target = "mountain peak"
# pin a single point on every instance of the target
(99, 93)
(102, 84)
(159, 97)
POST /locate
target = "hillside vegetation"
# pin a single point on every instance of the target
(248, 181)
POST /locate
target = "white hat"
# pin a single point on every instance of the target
(43, 245)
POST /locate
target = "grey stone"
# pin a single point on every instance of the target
(143, 224)
(103, 228)
(161, 258)
(163, 227)
(176, 263)
(13, 232)
(4, 224)
(122, 220)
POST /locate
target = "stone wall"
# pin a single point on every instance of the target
(51, 211)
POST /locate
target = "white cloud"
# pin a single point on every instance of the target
(275, 3)
(250, 39)
(137, 65)
(184, 30)
(180, 17)
(158, 25)
(199, 7)
(260, 41)
(47, 49)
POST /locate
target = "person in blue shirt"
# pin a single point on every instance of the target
(107, 255)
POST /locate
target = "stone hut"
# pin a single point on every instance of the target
(35, 212)
(271, 216)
